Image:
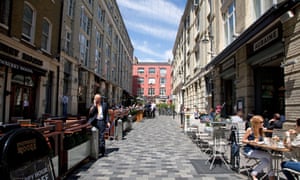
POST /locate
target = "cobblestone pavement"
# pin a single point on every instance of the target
(154, 149)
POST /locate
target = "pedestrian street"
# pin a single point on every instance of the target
(154, 149)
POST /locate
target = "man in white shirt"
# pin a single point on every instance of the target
(237, 118)
(153, 108)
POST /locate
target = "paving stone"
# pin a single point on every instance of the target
(155, 149)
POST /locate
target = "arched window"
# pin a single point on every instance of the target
(28, 23)
(46, 35)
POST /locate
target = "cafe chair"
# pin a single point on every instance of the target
(250, 162)
(296, 174)
(218, 145)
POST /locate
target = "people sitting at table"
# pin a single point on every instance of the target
(254, 133)
(292, 164)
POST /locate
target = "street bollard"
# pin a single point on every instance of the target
(119, 133)
(95, 143)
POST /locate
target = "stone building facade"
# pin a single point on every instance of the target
(57, 48)
(253, 58)
(96, 54)
(29, 49)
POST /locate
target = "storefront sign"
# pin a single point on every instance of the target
(268, 38)
(265, 40)
(15, 66)
(228, 64)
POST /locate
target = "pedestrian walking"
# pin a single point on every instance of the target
(98, 117)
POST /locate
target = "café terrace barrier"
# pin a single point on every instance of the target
(53, 148)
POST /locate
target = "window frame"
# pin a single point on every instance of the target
(30, 37)
(48, 36)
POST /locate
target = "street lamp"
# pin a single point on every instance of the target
(151, 91)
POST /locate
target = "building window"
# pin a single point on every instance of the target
(260, 7)
(151, 91)
(4, 11)
(140, 80)
(162, 91)
(140, 92)
(28, 23)
(97, 61)
(99, 39)
(162, 71)
(46, 35)
(84, 49)
(90, 2)
(70, 8)
(68, 43)
(109, 30)
(151, 70)
(100, 15)
(151, 81)
(140, 70)
(85, 22)
(229, 23)
(162, 80)
(107, 50)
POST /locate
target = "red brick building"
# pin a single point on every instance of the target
(152, 81)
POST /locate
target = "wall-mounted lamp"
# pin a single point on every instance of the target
(286, 16)
(287, 63)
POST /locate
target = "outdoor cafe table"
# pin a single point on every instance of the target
(274, 150)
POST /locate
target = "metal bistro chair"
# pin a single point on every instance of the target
(249, 162)
(218, 145)
(296, 174)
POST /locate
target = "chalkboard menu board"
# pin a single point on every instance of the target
(38, 170)
(25, 156)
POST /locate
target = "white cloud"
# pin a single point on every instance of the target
(160, 10)
(160, 32)
(168, 54)
(146, 49)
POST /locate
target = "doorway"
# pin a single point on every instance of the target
(22, 99)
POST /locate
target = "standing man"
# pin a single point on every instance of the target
(65, 100)
(98, 117)
(181, 115)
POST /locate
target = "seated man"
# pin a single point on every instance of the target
(292, 164)
(274, 123)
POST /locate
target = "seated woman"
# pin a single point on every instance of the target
(292, 164)
(254, 133)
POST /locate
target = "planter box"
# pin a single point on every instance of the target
(78, 153)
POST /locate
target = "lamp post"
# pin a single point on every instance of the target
(151, 91)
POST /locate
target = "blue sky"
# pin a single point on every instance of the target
(152, 26)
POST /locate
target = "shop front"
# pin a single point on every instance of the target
(228, 96)
(265, 55)
(21, 86)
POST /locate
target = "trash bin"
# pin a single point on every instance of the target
(25, 154)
